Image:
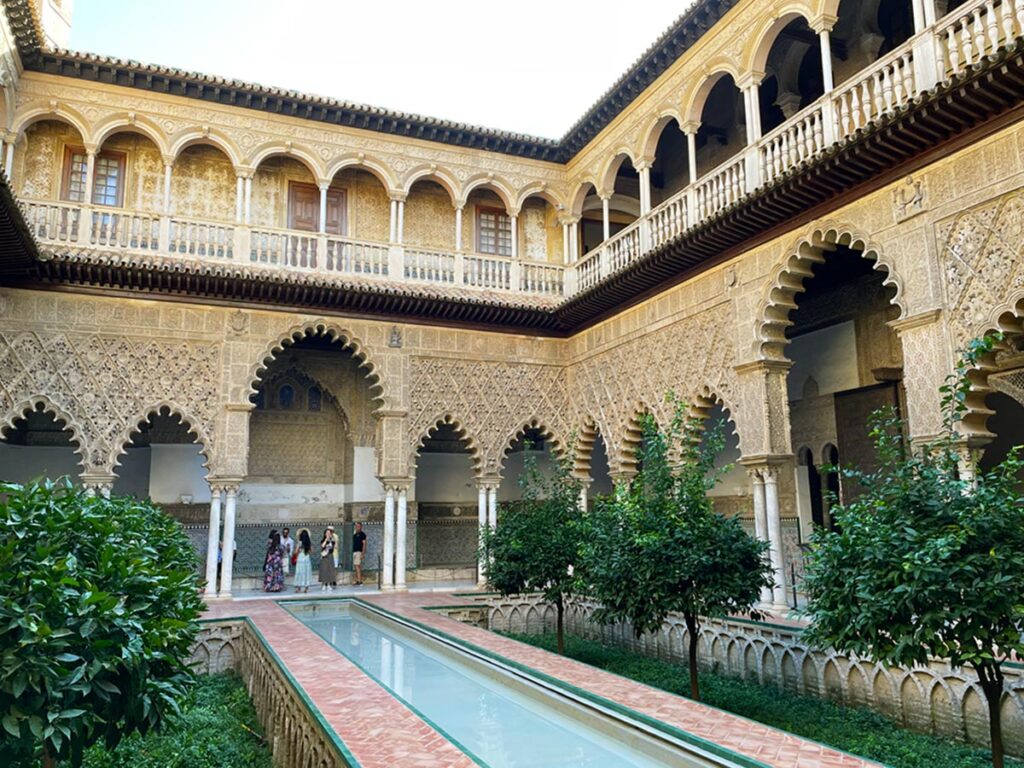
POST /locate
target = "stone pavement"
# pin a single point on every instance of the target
(382, 733)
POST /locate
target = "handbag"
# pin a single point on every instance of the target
(295, 558)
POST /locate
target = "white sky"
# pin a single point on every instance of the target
(533, 66)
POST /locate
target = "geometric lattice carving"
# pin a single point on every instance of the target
(106, 385)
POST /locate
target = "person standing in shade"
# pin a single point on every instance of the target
(273, 575)
(328, 573)
(288, 547)
(303, 562)
(358, 552)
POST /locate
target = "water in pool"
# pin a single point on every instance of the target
(497, 726)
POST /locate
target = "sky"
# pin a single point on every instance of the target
(530, 66)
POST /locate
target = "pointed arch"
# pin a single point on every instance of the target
(196, 429)
(286, 149)
(44, 404)
(34, 112)
(447, 419)
(787, 280)
(206, 137)
(488, 181)
(131, 123)
(323, 329)
(374, 166)
(558, 443)
(440, 176)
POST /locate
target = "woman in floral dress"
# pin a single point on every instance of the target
(273, 571)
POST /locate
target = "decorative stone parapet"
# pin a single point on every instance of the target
(936, 699)
(291, 727)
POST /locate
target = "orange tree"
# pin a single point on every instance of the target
(657, 546)
(99, 604)
(926, 562)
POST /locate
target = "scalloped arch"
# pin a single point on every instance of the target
(787, 280)
(557, 441)
(586, 436)
(460, 429)
(323, 329)
(41, 402)
(706, 400)
(193, 425)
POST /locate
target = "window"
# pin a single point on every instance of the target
(286, 396)
(494, 231)
(108, 177)
(304, 209)
(313, 399)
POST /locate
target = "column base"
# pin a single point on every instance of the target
(779, 609)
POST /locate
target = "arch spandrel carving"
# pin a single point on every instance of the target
(11, 413)
(195, 427)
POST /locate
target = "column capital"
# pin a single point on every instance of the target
(823, 22)
(397, 197)
(605, 194)
(764, 462)
(764, 366)
(569, 220)
(396, 485)
(487, 483)
(513, 212)
(750, 80)
(244, 172)
(324, 184)
(168, 160)
(98, 482)
(91, 149)
(643, 163)
(927, 317)
(690, 127)
(459, 204)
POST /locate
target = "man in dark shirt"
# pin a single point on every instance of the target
(358, 550)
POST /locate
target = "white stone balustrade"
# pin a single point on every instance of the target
(933, 55)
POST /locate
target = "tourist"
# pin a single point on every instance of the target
(288, 547)
(303, 562)
(273, 574)
(358, 551)
(328, 572)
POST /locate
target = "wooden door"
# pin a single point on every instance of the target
(304, 209)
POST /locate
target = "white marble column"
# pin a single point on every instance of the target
(248, 199)
(754, 95)
(760, 522)
(90, 171)
(393, 232)
(228, 551)
(323, 208)
(9, 160)
(168, 164)
(400, 537)
(458, 227)
(213, 541)
(400, 232)
(388, 559)
(481, 509)
(239, 199)
(492, 506)
(565, 243)
(606, 213)
(584, 491)
(514, 227)
(771, 503)
(826, 59)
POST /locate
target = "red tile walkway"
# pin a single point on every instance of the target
(382, 733)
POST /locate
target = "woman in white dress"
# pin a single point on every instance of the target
(303, 563)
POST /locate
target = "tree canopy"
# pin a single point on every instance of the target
(98, 613)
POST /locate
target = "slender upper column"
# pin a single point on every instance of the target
(388, 560)
(248, 199)
(400, 234)
(492, 505)
(401, 536)
(605, 213)
(826, 59)
(9, 158)
(393, 232)
(90, 172)
(239, 198)
(514, 220)
(323, 207)
(213, 541)
(690, 129)
(227, 563)
(458, 226)
(168, 164)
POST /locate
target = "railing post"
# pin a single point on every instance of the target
(604, 264)
(243, 244)
(929, 69)
(85, 226)
(515, 276)
(164, 235)
(396, 262)
(459, 268)
(752, 168)
(570, 281)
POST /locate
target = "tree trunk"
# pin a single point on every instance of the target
(692, 629)
(560, 606)
(48, 761)
(990, 675)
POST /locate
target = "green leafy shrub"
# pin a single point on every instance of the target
(99, 604)
(217, 728)
(858, 731)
